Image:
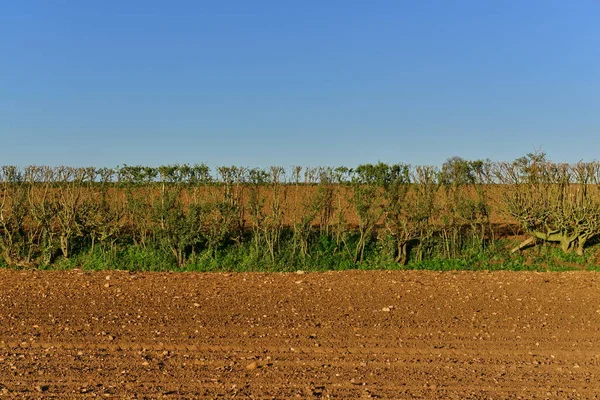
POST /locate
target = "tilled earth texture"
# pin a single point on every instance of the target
(374, 334)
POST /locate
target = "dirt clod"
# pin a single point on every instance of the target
(252, 366)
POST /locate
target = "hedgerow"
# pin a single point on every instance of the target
(192, 217)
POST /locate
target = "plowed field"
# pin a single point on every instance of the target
(350, 334)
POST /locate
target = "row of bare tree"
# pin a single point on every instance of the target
(415, 212)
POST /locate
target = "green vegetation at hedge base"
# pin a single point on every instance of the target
(242, 258)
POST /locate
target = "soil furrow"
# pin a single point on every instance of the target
(354, 334)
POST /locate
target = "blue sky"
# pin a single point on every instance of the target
(257, 83)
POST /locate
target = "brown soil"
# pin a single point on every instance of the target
(338, 334)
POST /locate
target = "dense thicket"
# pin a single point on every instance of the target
(288, 218)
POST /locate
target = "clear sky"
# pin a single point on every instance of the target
(311, 82)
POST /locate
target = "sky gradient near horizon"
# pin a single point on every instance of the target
(336, 82)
